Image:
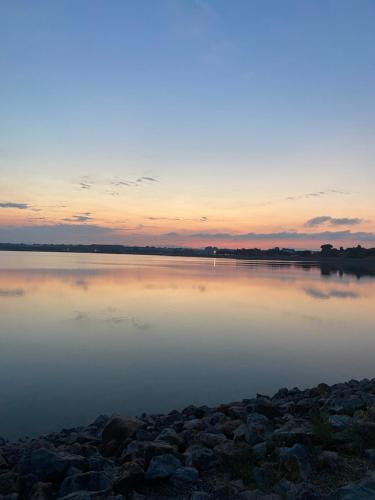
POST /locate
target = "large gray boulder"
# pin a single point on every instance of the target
(121, 427)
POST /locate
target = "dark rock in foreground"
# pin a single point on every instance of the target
(311, 444)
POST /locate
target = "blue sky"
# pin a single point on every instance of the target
(238, 110)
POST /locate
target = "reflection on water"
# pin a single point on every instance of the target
(87, 334)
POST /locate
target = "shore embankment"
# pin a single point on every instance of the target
(297, 444)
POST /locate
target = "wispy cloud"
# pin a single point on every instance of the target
(340, 221)
(316, 194)
(315, 293)
(79, 218)
(12, 292)
(113, 185)
(183, 219)
(12, 204)
(147, 179)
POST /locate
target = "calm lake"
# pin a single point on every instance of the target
(85, 334)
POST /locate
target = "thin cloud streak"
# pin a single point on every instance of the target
(11, 204)
(323, 219)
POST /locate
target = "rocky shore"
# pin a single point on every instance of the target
(310, 444)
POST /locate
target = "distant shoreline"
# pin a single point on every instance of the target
(313, 258)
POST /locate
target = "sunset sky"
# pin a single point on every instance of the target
(188, 122)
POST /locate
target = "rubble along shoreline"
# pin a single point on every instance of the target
(297, 444)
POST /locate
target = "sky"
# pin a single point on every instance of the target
(188, 122)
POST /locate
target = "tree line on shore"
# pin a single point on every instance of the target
(326, 251)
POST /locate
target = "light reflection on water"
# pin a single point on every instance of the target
(87, 334)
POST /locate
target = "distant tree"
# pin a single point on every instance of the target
(326, 249)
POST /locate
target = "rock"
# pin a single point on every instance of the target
(363, 490)
(259, 451)
(263, 476)
(47, 465)
(296, 491)
(3, 463)
(128, 477)
(232, 449)
(78, 495)
(147, 449)
(211, 439)
(8, 482)
(185, 475)
(162, 466)
(346, 406)
(229, 427)
(242, 433)
(339, 421)
(170, 436)
(87, 481)
(12, 453)
(258, 495)
(328, 460)
(143, 435)
(370, 455)
(200, 495)
(292, 432)
(260, 421)
(281, 393)
(238, 412)
(121, 427)
(265, 406)
(200, 457)
(99, 463)
(26, 483)
(295, 462)
(41, 491)
(194, 425)
(259, 426)
(238, 485)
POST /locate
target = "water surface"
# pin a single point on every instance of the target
(87, 334)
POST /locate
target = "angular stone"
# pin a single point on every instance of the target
(370, 455)
(47, 465)
(148, 449)
(162, 466)
(87, 481)
(232, 449)
(229, 427)
(200, 495)
(211, 439)
(128, 477)
(3, 463)
(295, 462)
(170, 436)
(363, 490)
(339, 421)
(8, 482)
(260, 451)
(200, 457)
(194, 425)
(185, 475)
(263, 476)
(328, 460)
